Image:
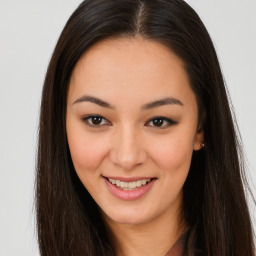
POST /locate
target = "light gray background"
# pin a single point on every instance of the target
(28, 33)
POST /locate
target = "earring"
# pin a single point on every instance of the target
(201, 145)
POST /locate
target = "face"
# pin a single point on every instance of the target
(132, 126)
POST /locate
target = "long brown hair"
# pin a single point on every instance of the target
(215, 208)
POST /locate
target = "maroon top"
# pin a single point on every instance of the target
(178, 248)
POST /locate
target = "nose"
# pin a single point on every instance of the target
(127, 149)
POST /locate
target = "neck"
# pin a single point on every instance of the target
(151, 239)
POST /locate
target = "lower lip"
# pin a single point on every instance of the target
(129, 194)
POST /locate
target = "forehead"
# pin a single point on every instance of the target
(131, 53)
(130, 67)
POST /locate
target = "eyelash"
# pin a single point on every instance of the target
(87, 122)
(168, 122)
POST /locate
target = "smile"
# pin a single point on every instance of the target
(129, 185)
(129, 188)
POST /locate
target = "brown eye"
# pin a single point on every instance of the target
(160, 122)
(95, 120)
(157, 122)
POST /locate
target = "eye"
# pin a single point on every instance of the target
(160, 122)
(95, 120)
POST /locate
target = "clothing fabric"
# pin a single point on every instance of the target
(178, 248)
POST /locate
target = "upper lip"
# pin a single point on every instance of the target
(130, 179)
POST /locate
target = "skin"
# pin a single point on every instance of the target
(127, 74)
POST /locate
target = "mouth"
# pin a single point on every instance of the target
(129, 188)
(129, 185)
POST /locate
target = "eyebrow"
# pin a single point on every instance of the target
(95, 100)
(150, 105)
(162, 102)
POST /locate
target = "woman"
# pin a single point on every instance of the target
(138, 153)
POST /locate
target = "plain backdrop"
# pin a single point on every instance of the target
(28, 34)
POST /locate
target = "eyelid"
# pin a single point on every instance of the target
(168, 120)
(86, 118)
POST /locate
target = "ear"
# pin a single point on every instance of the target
(199, 139)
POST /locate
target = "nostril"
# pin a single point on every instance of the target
(128, 159)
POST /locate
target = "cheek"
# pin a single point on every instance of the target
(87, 152)
(173, 159)
(173, 155)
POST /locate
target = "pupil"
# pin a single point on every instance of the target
(158, 122)
(96, 120)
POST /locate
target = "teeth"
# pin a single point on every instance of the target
(129, 185)
(132, 184)
(143, 182)
(139, 183)
(112, 181)
(123, 184)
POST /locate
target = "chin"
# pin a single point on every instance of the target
(128, 216)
